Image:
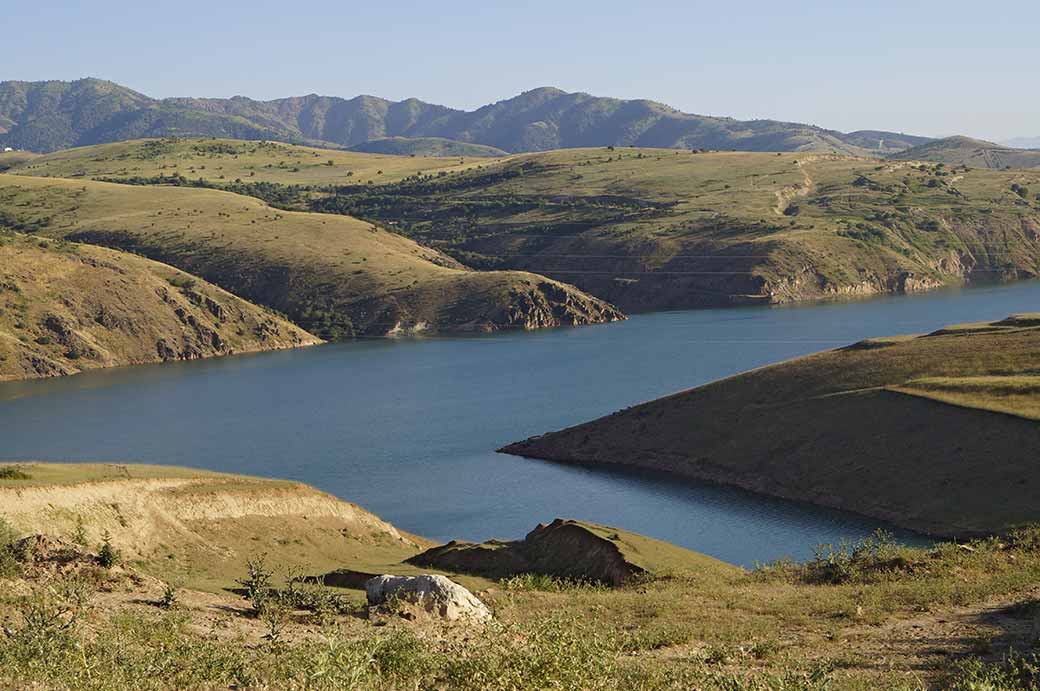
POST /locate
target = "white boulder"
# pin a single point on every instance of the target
(435, 594)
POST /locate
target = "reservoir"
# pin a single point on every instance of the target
(408, 428)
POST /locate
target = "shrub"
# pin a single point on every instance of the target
(9, 563)
(552, 584)
(108, 555)
(257, 582)
(14, 472)
(169, 597)
(847, 562)
(1015, 672)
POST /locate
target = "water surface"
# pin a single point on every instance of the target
(408, 429)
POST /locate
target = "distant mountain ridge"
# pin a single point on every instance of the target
(51, 115)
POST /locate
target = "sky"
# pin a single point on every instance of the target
(921, 67)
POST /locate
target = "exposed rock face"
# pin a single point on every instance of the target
(564, 548)
(436, 594)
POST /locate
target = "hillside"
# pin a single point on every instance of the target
(47, 116)
(66, 308)
(659, 229)
(938, 433)
(228, 161)
(12, 159)
(333, 275)
(640, 228)
(426, 146)
(974, 153)
(198, 527)
(204, 584)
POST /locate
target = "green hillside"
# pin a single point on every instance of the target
(938, 432)
(47, 116)
(333, 275)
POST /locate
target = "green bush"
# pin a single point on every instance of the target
(108, 555)
(14, 472)
(1015, 672)
(10, 566)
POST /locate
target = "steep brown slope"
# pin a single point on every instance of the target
(938, 433)
(65, 308)
(334, 275)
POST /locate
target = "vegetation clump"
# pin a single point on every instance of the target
(14, 472)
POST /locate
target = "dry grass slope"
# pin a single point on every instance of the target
(66, 308)
(335, 276)
(646, 228)
(937, 433)
(653, 229)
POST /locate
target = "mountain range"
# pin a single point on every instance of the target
(51, 115)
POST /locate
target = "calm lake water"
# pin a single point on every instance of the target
(408, 429)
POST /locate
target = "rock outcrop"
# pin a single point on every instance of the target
(436, 594)
(567, 549)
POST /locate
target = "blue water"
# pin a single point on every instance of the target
(408, 429)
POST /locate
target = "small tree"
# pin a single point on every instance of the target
(108, 556)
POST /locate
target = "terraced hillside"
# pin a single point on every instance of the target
(654, 229)
(938, 433)
(66, 308)
(335, 276)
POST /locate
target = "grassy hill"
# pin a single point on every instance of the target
(172, 612)
(224, 161)
(938, 433)
(12, 159)
(641, 228)
(974, 153)
(66, 308)
(426, 146)
(335, 276)
(657, 229)
(52, 115)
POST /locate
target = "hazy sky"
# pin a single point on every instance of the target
(926, 67)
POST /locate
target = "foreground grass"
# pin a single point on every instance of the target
(869, 615)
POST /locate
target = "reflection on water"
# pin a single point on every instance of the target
(408, 428)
